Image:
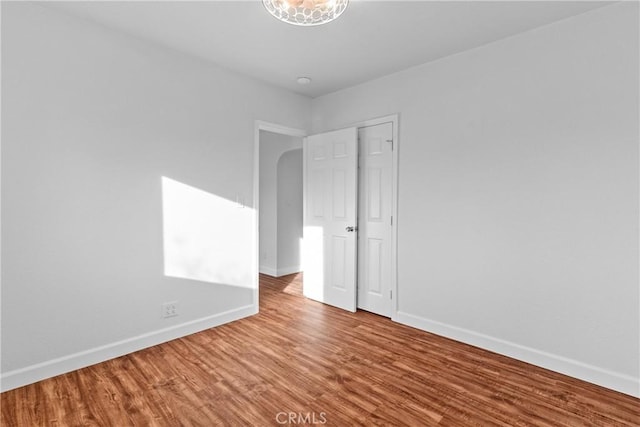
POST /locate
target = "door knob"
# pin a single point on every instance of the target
(351, 229)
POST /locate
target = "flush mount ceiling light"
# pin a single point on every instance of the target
(306, 12)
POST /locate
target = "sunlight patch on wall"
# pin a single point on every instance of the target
(206, 237)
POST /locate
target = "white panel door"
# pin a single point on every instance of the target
(374, 218)
(330, 216)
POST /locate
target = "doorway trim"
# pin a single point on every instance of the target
(393, 118)
(282, 130)
(290, 131)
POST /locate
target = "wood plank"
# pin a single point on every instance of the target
(319, 363)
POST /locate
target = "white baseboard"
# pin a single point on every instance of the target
(280, 271)
(573, 368)
(289, 270)
(72, 362)
(269, 271)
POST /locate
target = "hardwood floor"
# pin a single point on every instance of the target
(300, 362)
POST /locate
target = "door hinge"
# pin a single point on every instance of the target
(391, 219)
(390, 294)
(391, 141)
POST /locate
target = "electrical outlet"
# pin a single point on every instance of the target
(170, 309)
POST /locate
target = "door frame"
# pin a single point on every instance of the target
(282, 130)
(393, 118)
(286, 130)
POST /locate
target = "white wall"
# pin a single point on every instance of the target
(518, 227)
(290, 211)
(272, 147)
(518, 198)
(92, 121)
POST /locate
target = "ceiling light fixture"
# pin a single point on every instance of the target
(306, 12)
(303, 80)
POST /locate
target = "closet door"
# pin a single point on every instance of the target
(374, 218)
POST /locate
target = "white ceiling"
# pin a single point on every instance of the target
(371, 39)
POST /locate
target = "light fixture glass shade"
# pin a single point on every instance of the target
(306, 12)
